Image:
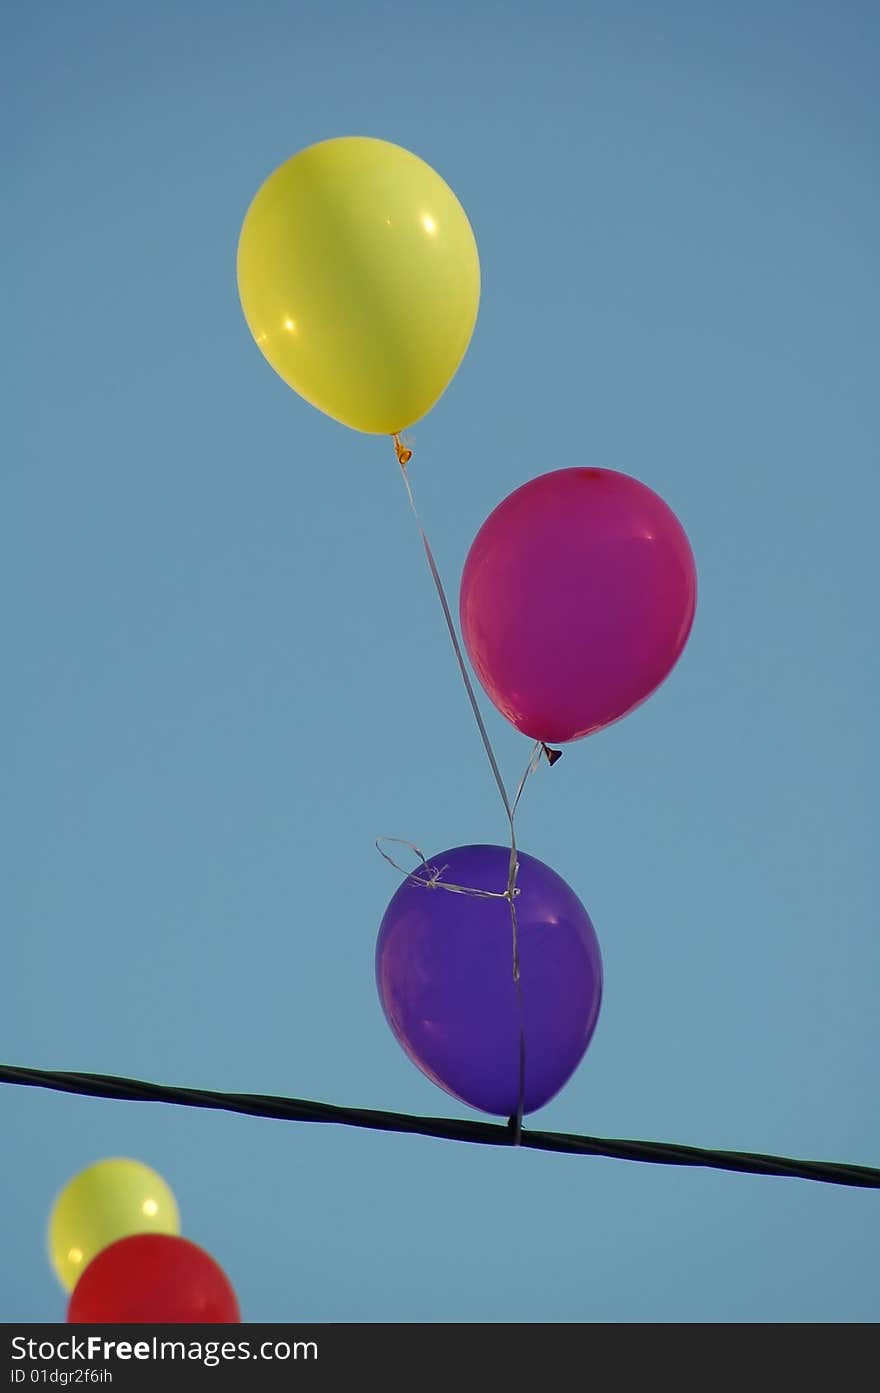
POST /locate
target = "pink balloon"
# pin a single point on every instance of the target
(577, 598)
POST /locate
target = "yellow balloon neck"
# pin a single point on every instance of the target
(403, 454)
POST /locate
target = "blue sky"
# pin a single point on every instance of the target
(226, 672)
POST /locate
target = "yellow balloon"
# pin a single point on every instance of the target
(104, 1202)
(359, 278)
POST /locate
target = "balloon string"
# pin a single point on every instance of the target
(433, 875)
(404, 455)
(517, 1119)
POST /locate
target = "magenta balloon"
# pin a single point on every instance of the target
(577, 598)
(445, 976)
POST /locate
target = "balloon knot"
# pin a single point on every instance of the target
(403, 454)
(552, 755)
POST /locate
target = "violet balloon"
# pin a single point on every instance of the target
(444, 970)
(577, 598)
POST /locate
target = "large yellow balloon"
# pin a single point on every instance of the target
(109, 1200)
(360, 281)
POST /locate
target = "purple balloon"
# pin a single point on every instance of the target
(444, 969)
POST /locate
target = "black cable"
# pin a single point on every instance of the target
(451, 1129)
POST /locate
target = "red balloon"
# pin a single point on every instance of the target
(153, 1278)
(577, 598)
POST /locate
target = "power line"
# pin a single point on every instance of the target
(448, 1128)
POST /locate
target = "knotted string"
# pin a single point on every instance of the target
(432, 878)
(404, 455)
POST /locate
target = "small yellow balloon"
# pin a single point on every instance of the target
(108, 1200)
(359, 278)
